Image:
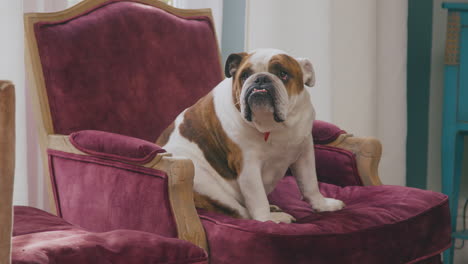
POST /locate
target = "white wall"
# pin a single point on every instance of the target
(354, 71)
(302, 29)
(369, 76)
(368, 52)
(358, 49)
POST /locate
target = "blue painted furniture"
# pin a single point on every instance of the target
(455, 112)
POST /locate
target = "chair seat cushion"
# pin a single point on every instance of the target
(39, 237)
(380, 224)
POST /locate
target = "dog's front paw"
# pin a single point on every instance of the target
(327, 205)
(281, 217)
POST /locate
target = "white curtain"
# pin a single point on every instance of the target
(358, 49)
(12, 68)
(30, 188)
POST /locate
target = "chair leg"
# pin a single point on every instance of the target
(452, 156)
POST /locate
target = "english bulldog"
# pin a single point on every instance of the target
(244, 135)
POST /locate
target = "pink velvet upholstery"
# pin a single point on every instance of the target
(324, 133)
(42, 238)
(126, 68)
(114, 146)
(102, 195)
(380, 224)
(336, 166)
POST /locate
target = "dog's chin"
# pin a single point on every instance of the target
(261, 105)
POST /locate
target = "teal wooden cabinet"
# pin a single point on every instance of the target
(455, 110)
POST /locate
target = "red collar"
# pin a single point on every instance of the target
(266, 135)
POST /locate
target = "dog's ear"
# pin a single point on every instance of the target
(233, 63)
(307, 71)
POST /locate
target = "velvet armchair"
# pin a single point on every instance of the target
(110, 75)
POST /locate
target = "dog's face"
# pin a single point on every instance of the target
(266, 83)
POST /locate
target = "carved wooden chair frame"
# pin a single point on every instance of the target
(7, 166)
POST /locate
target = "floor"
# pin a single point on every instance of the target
(461, 255)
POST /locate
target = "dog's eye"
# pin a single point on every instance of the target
(244, 76)
(283, 75)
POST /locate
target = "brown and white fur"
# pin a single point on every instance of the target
(236, 163)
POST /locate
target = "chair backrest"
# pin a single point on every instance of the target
(122, 66)
(7, 166)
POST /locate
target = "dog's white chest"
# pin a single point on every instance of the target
(276, 155)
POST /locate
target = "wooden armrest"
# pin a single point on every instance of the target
(368, 151)
(7, 166)
(180, 172)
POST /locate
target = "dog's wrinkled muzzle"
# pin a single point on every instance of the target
(261, 95)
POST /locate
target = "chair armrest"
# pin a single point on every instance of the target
(325, 133)
(181, 173)
(7, 165)
(176, 172)
(367, 151)
(114, 146)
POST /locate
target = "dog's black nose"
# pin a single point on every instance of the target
(262, 79)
